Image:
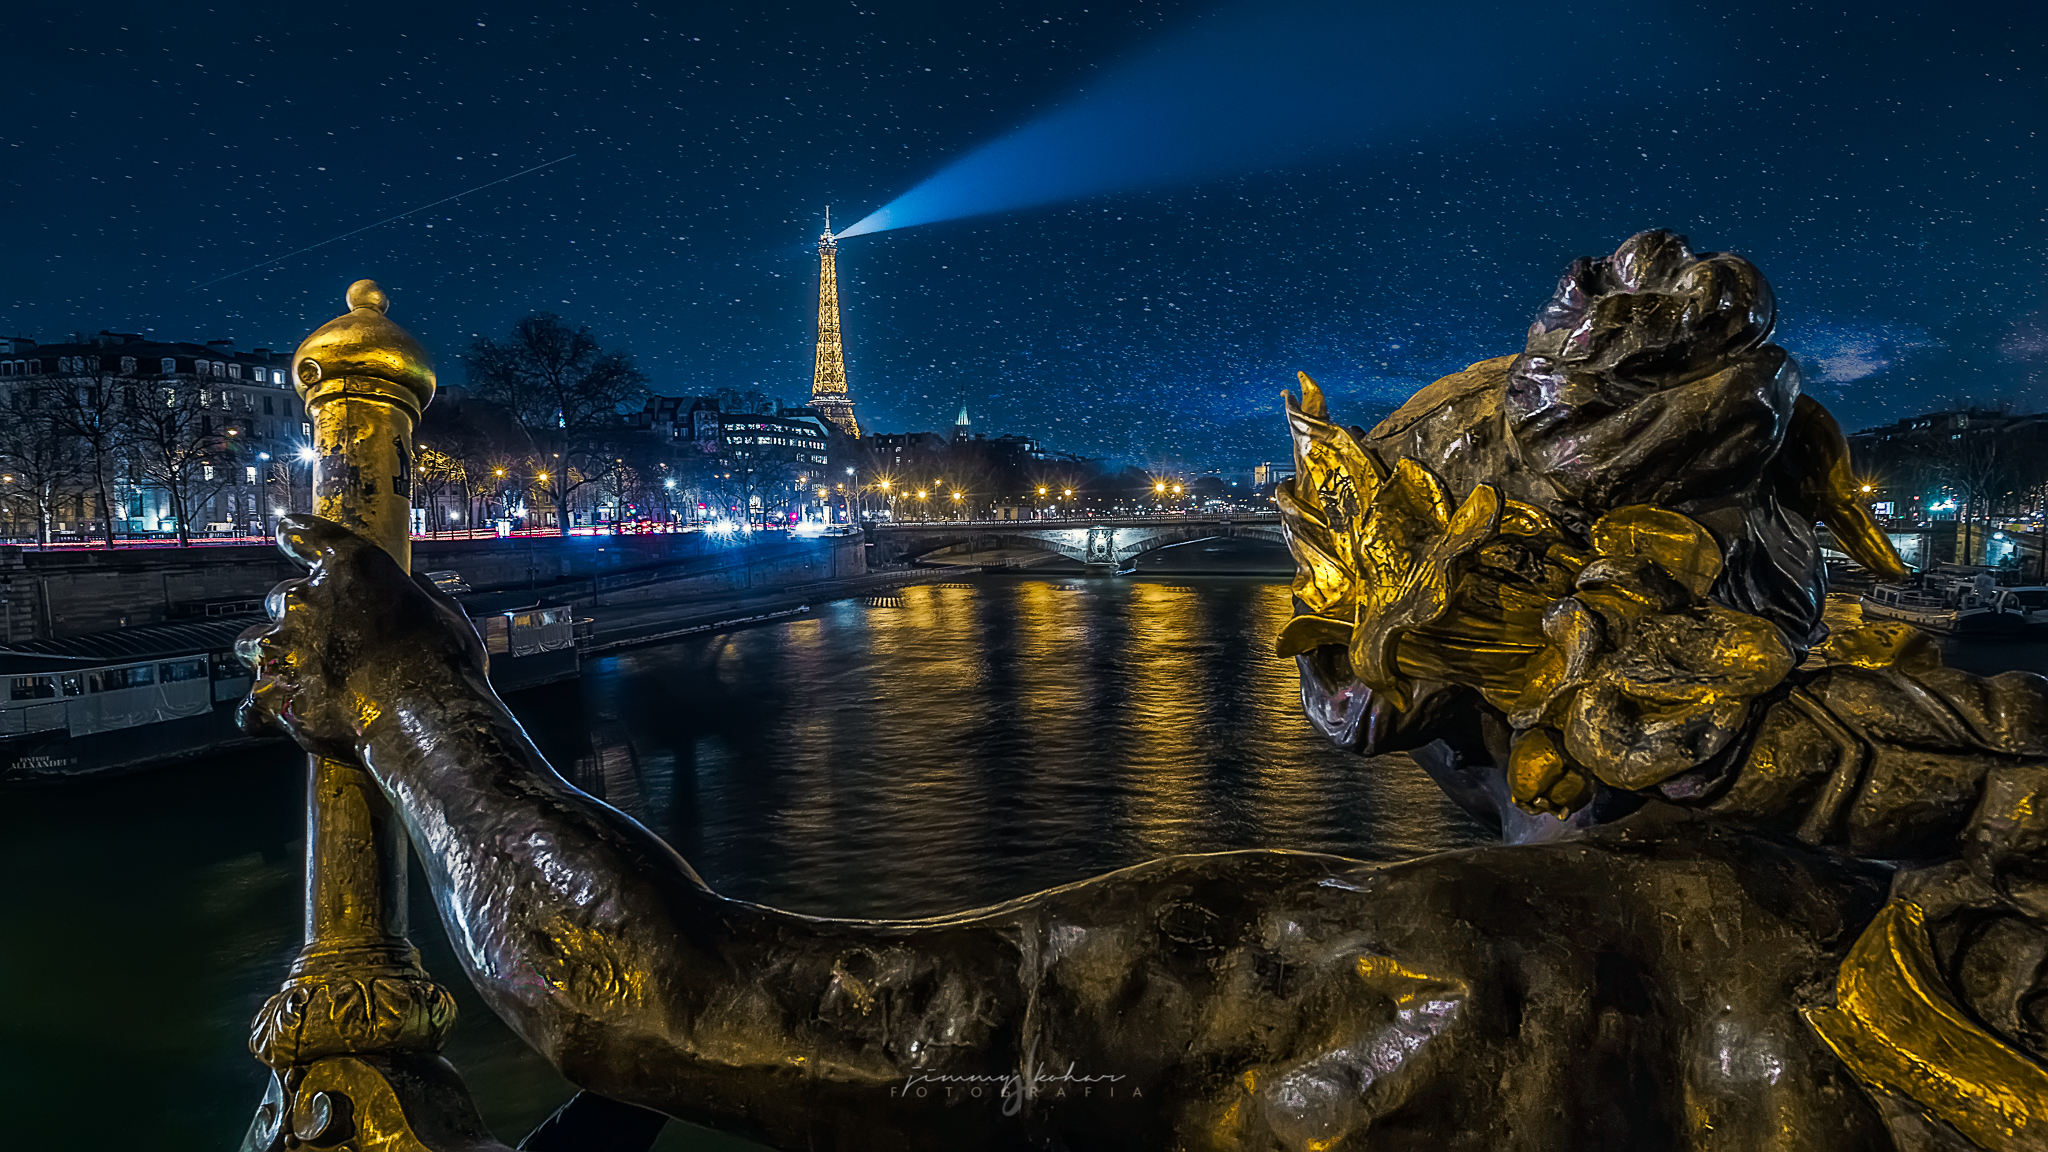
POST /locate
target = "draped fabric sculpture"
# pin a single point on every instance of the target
(1602, 550)
(1581, 585)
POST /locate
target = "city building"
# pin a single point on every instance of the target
(830, 398)
(1965, 485)
(752, 465)
(223, 436)
(788, 437)
(903, 453)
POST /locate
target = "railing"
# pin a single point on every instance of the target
(628, 528)
(1124, 520)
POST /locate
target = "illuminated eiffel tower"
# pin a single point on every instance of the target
(829, 397)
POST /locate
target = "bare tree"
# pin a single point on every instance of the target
(180, 447)
(751, 489)
(41, 466)
(438, 472)
(566, 392)
(90, 409)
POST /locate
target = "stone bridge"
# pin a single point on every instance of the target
(1110, 542)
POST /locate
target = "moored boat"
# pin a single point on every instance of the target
(110, 702)
(1960, 610)
(531, 640)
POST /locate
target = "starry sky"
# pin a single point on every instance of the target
(1428, 178)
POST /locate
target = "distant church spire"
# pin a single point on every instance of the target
(963, 426)
(829, 397)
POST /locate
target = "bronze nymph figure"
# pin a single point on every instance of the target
(1579, 582)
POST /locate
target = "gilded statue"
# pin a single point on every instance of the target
(1767, 882)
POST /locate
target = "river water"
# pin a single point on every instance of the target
(946, 747)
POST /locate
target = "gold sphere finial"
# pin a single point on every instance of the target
(366, 294)
(363, 353)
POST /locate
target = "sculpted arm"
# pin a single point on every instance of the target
(586, 932)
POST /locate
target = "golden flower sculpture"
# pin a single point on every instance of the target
(1377, 552)
(1605, 654)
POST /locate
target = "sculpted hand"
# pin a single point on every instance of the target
(350, 640)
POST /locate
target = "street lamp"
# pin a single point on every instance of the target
(305, 455)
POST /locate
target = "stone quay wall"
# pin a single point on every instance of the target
(66, 592)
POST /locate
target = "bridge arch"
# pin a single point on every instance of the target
(1097, 544)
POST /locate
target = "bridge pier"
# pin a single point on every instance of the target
(1099, 544)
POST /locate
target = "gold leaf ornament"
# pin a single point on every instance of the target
(1324, 506)
(1376, 551)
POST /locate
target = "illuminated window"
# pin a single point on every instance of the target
(249, 474)
(234, 371)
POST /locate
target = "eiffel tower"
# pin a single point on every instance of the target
(829, 397)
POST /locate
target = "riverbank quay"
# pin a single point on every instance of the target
(52, 594)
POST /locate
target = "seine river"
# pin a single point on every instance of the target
(950, 747)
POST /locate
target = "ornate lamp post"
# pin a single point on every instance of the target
(351, 1038)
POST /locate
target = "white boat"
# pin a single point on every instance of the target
(1959, 610)
(2029, 600)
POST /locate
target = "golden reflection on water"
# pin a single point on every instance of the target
(981, 741)
(1167, 687)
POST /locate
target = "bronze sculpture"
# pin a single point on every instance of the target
(1581, 581)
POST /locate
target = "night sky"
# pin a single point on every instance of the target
(1881, 163)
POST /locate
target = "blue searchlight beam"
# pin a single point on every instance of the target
(1261, 86)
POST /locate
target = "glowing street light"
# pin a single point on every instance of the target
(307, 455)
